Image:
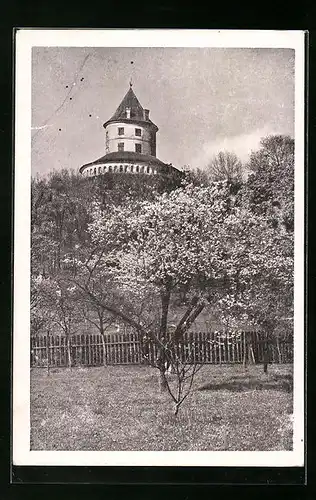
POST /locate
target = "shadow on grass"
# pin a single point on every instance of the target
(282, 383)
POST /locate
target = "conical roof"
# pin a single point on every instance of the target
(137, 112)
(129, 101)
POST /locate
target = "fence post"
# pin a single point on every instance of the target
(279, 350)
(68, 350)
(47, 351)
(250, 348)
(245, 350)
(104, 349)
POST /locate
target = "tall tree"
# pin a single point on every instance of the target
(60, 299)
(270, 185)
(196, 176)
(60, 217)
(262, 274)
(225, 166)
(269, 194)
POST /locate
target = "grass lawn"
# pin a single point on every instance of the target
(121, 408)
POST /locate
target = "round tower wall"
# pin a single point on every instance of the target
(130, 135)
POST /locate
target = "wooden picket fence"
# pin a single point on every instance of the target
(130, 349)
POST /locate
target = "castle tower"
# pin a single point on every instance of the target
(130, 128)
(130, 143)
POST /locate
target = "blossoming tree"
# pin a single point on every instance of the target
(192, 239)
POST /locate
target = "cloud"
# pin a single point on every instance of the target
(241, 145)
(41, 127)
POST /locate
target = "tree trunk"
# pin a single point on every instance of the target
(265, 357)
(104, 349)
(101, 328)
(58, 257)
(165, 299)
(162, 380)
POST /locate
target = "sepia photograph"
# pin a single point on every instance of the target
(159, 245)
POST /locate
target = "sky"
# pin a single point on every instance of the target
(203, 100)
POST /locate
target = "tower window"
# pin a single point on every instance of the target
(120, 146)
(137, 168)
(138, 148)
(138, 131)
(120, 130)
(121, 168)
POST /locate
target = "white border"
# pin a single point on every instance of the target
(25, 40)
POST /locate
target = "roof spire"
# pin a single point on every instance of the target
(131, 78)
